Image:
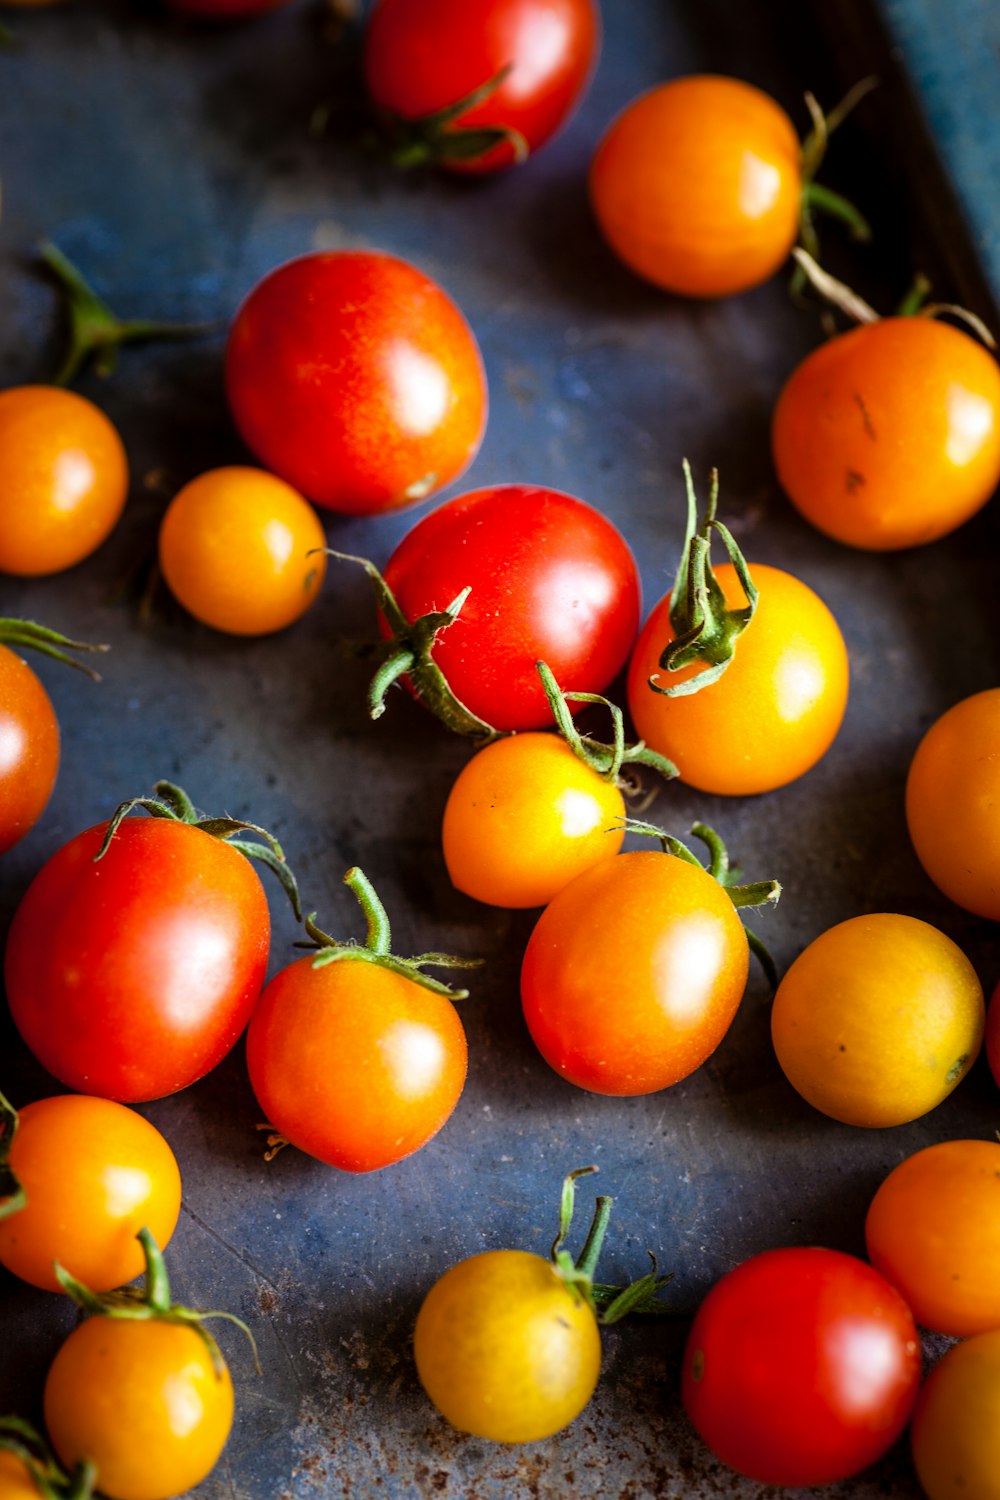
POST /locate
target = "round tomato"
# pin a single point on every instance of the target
(956, 1424)
(697, 186)
(933, 1229)
(953, 803)
(801, 1367)
(993, 1034)
(242, 551)
(16, 1481)
(777, 706)
(889, 435)
(878, 1019)
(94, 1173)
(355, 378)
(521, 64)
(63, 475)
(29, 748)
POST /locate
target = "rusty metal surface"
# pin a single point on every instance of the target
(175, 164)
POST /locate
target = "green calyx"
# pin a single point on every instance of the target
(610, 1303)
(25, 635)
(605, 760)
(174, 804)
(436, 140)
(21, 1439)
(378, 941)
(152, 1301)
(12, 1194)
(817, 199)
(913, 305)
(94, 330)
(705, 628)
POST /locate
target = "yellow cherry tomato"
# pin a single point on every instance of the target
(238, 548)
(878, 1020)
(956, 1423)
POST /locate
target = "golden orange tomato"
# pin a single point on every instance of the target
(956, 1423)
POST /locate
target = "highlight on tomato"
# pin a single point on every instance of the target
(740, 674)
(477, 85)
(635, 970)
(955, 1435)
(29, 729)
(529, 812)
(355, 378)
(953, 803)
(28, 1470)
(140, 1389)
(700, 185)
(878, 1020)
(507, 1344)
(139, 949)
(356, 1056)
(801, 1367)
(242, 551)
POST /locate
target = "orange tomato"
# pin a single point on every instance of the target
(16, 1482)
(235, 549)
(29, 748)
(697, 185)
(956, 1423)
(63, 477)
(889, 435)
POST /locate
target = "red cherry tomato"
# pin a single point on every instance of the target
(356, 379)
(422, 56)
(801, 1367)
(29, 748)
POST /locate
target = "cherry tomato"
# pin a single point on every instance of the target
(422, 56)
(29, 748)
(878, 1019)
(241, 550)
(94, 1174)
(355, 378)
(132, 976)
(774, 711)
(551, 580)
(16, 1482)
(953, 803)
(801, 1367)
(889, 435)
(993, 1034)
(697, 185)
(956, 1424)
(933, 1229)
(63, 475)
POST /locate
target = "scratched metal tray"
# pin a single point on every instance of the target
(176, 165)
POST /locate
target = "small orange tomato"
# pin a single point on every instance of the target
(697, 185)
(956, 1423)
(63, 477)
(889, 435)
(953, 803)
(16, 1482)
(239, 549)
(29, 748)
(774, 711)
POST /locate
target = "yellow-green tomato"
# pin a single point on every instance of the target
(524, 818)
(505, 1348)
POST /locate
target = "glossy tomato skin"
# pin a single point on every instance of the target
(63, 475)
(356, 379)
(353, 1063)
(423, 55)
(697, 184)
(953, 803)
(956, 1424)
(29, 748)
(133, 976)
(878, 1019)
(801, 1367)
(95, 1173)
(504, 1349)
(775, 710)
(551, 580)
(888, 435)
(141, 1400)
(633, 973)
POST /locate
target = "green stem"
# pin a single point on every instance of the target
(28, 635)
(437, 138)
(915, 298)
(12, 1193)
(824, 200)
(604, 760)
(157, 1281)
(378, 938)
(586, 1261)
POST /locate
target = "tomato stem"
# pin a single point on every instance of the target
(610, 1303)
(378, 938)
(436, 140)
(26, 634)
(21, 1439)
(815, 197)
(13, 1196)
(605, 760)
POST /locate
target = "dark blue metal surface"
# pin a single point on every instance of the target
(176, 165)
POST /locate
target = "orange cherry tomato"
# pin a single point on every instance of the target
(238, 548)
(94, 1173)
(697, 185)
(933, 1230)
(956, 1423)
(889, 435)
(953, 803)
(63, 476)
(16, 1482)
(29, 748)
(776, 708)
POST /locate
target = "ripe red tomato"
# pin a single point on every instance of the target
(422, 56)
(801, 1367)
(354, 377)
(551, 580)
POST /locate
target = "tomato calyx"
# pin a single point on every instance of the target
(12, 1194)
(172, 803)
(815, 197)
(436, 140)
(28, 635)
(609, 1303)
(705, 628)
(913, 305)
(94, 330)
(605, 761)
(21, 1439)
